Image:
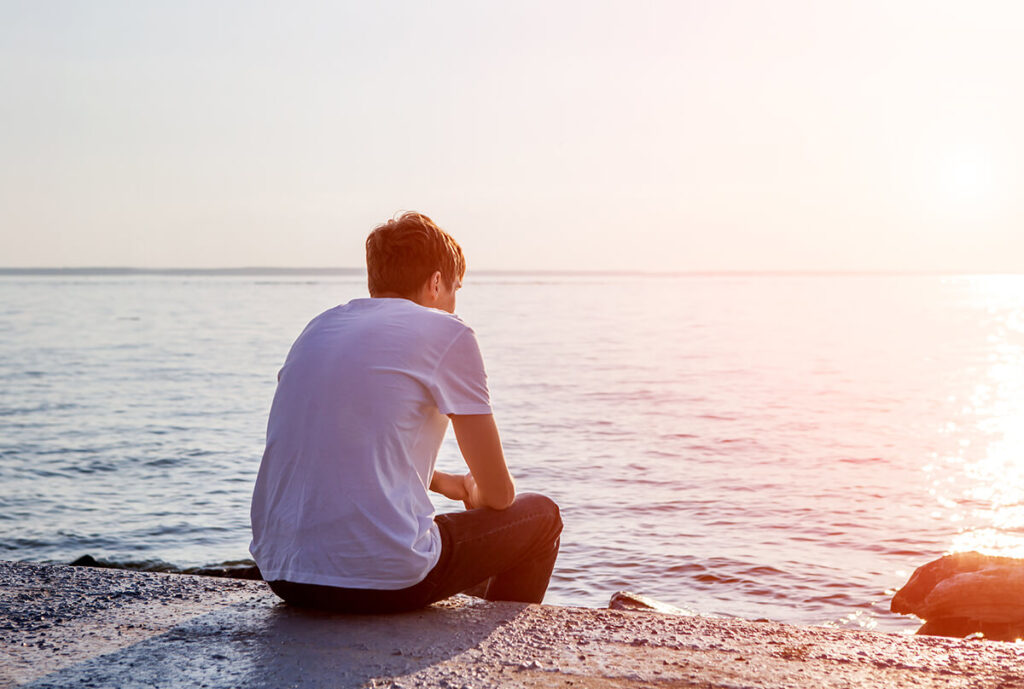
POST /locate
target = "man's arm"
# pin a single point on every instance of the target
(488, 483)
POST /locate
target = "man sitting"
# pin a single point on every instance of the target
(341, 518)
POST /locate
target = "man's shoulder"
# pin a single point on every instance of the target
(435, 322)
(381, 319)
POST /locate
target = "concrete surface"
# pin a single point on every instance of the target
(83, 627)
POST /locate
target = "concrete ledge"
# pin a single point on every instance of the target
(82, 627)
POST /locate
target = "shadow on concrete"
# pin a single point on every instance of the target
(264, 647)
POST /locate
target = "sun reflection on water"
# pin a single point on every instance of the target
(980, 486)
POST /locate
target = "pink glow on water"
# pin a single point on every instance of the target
(789, 447)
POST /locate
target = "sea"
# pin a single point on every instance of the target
(767, 446)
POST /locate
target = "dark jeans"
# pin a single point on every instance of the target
(510, 553)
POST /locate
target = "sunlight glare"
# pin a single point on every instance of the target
(986, 479)
(967, 176)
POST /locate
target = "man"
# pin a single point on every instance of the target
(341, 518)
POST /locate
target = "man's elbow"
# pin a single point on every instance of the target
(502, 499)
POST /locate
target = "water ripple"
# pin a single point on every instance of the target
(782, 447)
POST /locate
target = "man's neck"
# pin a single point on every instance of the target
(394, 295)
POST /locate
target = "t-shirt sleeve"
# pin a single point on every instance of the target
(459, 384)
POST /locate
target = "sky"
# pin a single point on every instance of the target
(636, 136)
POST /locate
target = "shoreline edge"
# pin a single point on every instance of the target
(79, 626)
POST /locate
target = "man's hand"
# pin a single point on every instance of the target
(455, 487)
(472, 499)
(452, 486)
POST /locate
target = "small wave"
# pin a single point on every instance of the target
(700, 448)
(164, 462)
(667, 454)
(36, 409)
(24, 543)
(861, 460)
(840, 600)
(900, 551)
(712, 578)
(764, 571)
(93, 468)
(39, 473)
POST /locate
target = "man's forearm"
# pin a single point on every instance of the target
(480, 444)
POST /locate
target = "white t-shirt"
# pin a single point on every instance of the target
(354, 430)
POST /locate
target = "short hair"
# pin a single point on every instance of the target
(403, 253)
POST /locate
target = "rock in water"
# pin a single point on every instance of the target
(624, 600)
(966, 593)
(236, 569)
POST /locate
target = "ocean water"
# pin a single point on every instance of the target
(768, 446)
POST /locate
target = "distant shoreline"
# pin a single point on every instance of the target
(272, 271)
(115, 271)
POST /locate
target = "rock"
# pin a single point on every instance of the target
(236, 569)
(624, 600)
(966, 593)
(230, 570)
(87, 561)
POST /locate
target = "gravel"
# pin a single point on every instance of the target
(77, 626)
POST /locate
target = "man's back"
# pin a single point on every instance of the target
(354, 430)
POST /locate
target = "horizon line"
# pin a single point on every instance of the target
(348, 271)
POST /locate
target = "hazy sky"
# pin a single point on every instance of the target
(669, 135)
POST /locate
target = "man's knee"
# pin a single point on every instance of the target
(546, 506)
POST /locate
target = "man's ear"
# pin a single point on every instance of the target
(435, 283)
